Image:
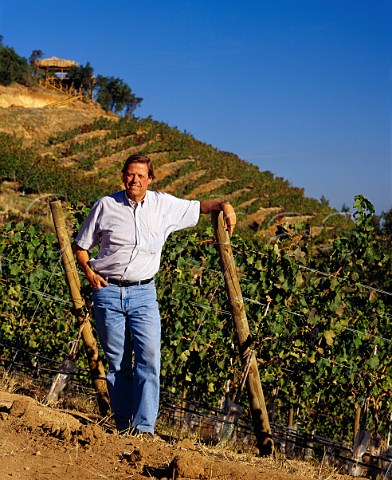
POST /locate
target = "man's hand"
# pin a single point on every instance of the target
(229, 216)
(94, 279)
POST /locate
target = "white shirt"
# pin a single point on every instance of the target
(131, 235)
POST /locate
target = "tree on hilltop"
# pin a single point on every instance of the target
(324, 201)
(115, 95)
(83, 77)
(35, 55)
(13, 68)
(110, 92)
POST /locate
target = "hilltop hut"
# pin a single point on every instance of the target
(55, 67)
(53, 73)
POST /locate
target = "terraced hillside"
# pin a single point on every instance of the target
(82, 161)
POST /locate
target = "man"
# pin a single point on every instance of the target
(130, 228)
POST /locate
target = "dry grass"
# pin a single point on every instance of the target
(8, 383)
(34, 208)
(247, 452)
(170, 168)
(208, 187)
(184, 180)
(11, 383)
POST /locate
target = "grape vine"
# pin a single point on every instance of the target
(319, 317)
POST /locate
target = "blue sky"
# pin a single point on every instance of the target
(298, 87)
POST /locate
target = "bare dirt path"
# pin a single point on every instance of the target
(38, 442)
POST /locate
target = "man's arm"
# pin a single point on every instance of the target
(229, 216)
(83, 258)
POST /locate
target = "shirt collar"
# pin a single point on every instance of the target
(132, 203)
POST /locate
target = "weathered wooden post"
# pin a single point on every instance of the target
(89, 342)
(258, 408)
(290, 434)
(357, 420)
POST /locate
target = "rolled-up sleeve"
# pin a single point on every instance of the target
(185, 213)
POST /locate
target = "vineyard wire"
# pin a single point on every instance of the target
(334, 364)
(283, 309)
(328, 360)
(46, 287)
(357, 283)
(66, 302)
(225, 312)
(325, 274)
(60, 252)
(365, 333)
(44, 294)
(209, 303)
(337, 326)
(3, 258)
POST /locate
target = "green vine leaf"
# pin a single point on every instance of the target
(329, 336)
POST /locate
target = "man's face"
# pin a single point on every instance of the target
(136, 181)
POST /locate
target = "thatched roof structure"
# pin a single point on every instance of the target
(55, 62)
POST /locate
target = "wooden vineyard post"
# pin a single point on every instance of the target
(258, 408)
(291, 417)
(357, 420)
(72, 277)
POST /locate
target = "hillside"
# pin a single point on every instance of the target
(316, 322)
(29, 113)
(84, 148)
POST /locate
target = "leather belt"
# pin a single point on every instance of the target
(127, 283)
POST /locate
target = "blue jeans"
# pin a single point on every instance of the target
(129, 329)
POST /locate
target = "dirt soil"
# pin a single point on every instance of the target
(41, 443)
(23, 113)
